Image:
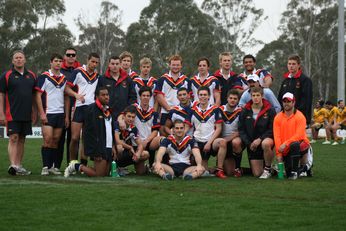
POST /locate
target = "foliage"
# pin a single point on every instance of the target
(105, 38)
(24, 25)
(239, 20)
(174, 27)
(309, 28)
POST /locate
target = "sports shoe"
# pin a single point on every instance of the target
(326, 142)
(312, 141)
(303, 174)
(335, 143)
(220, 174)
(206, 173)
(70, 169)
(293, 176)
(237, 173)
(44, 171)
(167, 176)
(21, 171)
(123, 171)
(187, 177)
(54, 171)
(266, 174)
(12, 170)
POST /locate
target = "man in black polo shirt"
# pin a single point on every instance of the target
(16, 97)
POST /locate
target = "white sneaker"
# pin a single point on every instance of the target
(326, 142)
(265, 175)
(312, 141)
(303, 174)
(22, 171)
(44, 171)
(335, 143)
(70, 169)
(293, 176)
(54, 171)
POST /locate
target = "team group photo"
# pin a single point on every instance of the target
(193, 115)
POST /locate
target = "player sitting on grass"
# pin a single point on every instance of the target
(128, 144)
(179, 147)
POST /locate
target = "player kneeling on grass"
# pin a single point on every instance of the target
(129, 145)
(179, 147)
(291, 142)
(98, 137)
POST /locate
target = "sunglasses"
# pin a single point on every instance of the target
(70, 55)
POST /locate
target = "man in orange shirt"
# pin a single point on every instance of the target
(290, 138)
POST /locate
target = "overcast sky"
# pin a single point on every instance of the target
(131, 10)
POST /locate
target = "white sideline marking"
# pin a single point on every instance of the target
(60, 180)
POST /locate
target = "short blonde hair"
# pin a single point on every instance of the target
(144, 61)
(126, 54)
(175, 57)
(226, 53)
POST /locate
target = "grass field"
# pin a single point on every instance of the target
(149, 203)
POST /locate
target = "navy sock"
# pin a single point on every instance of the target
(76, 166)
(84, 162)
(45, 156)
(151, 157)
(237, 159)
(55, 157)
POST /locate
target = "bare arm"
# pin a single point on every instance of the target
(162, 102)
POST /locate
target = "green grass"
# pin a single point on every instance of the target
(149, 203)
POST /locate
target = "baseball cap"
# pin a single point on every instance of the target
(253, 77)
(288, 96)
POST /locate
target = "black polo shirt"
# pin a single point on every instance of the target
(18, 89)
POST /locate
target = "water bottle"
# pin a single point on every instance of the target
(114, 172)
(281, 171)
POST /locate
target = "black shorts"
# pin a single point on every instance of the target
(79, 114)
(229, 153)
(19, 127)
(179, 168)
(205, 155)
(342, 127)
(255, 155)
(125, 159)
(56, 120)
(164, 117)
(107, 155)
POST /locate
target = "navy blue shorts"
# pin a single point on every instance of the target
(258, 154)
(125, 159)
(205, 155)
(164, 117)
(79, 114)
(107, 155)
(179, 168)
(56, 120)
(19, 127)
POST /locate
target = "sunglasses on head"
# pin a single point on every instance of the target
(70, 55)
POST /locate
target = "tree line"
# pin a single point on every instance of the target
(308, 27)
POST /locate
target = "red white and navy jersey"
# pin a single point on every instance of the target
(230, 120)
(183, 114)
(204, 122)
(52, 88)
(129, 135)
(179, 152)
(18, 89)
(168, 87)
(85, 83)
(146, 121)
(261, 73)
(211, 82)
(141, 82)
(132, 74)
